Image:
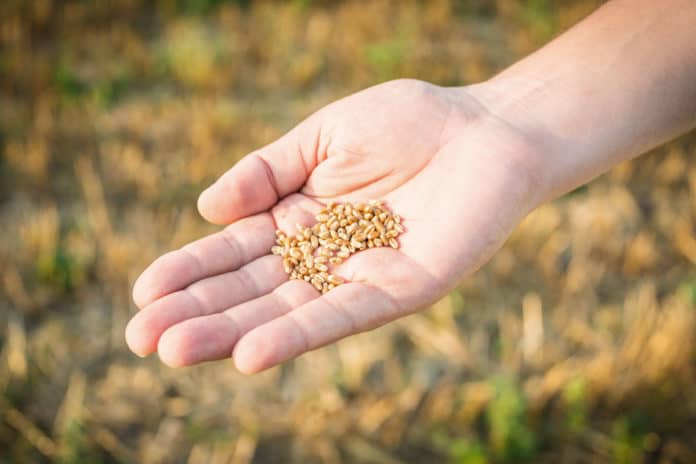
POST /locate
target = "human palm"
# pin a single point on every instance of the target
(454, 172)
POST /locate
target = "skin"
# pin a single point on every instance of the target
(462, 166)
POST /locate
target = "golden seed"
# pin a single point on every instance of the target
(359, 236)
(324, 252)
(333, 279)
(295, 253)
(287, 266)
(341, 230)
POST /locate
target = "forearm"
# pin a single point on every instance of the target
(617, 84)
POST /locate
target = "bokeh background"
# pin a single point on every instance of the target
(575, 344)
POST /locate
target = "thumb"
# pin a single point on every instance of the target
(257, 181)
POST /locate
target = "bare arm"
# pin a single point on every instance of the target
(615, 85)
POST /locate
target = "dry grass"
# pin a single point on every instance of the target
(575, 344)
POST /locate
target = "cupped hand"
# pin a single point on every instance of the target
(457, 174)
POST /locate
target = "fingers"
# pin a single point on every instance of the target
(204, 297)
(260, 179)
(346, 310)
(213, 337)
(227, 250)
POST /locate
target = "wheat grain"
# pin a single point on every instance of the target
(342, 229)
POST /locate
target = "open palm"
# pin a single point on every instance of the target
(455, 173)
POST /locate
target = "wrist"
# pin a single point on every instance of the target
(565, 145)
(478, 135)
(509, 108)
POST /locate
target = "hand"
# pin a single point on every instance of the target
(457, 174)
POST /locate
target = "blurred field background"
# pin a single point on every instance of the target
(576, 344)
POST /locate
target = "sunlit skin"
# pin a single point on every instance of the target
(402, 142)
(462, 166)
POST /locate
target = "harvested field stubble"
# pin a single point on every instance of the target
(574, 344)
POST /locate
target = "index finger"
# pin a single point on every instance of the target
(224, 251)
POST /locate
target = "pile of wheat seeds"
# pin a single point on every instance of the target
(341, 230)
